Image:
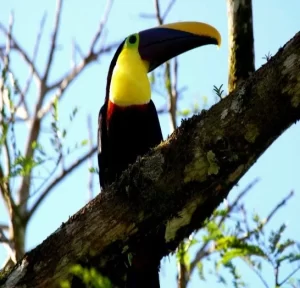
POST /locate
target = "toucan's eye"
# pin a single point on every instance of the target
(132, 39)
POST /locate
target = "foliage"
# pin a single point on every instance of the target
(232, 235)
(89, 276)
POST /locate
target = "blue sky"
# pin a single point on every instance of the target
(275, 22)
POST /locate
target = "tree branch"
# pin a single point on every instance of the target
(16, 46)
(241, 43)
(258, 273)
(170, 84)
(66, 80)
(217, 148)
(91, 178)
(62, 85)
(54, 38)
(35, 53)
(101, 25)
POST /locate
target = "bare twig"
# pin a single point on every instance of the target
(173, 94)
(9, 39)
(157, 12)
(90, 130)
(15, 45)
(3, 227)
(101, 25)
(147, 16)
(172, 2)
(3, 238)
(274, 210)
(289, 276)
(170, 84)
(276, 272)
(65, 81)
(58, 179)
(50, 174)
(34, 56)
(260, 276)
(54, 38)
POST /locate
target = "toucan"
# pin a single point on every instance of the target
(128, 124)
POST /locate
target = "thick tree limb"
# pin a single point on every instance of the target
(178, 184)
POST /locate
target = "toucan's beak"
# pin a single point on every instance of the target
(158, 45)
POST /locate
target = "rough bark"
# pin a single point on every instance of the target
(241, 42)
(178, 184)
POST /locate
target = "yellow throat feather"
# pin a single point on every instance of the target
(130, 84)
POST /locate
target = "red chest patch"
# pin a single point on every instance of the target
(114, 108)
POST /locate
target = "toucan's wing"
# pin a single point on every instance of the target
(102, 145)
(156, 134)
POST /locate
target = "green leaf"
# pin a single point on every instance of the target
(23, 165)
(182, 255)
(275, 238)
(73, 114)
(246, 250)
(93, 170)
(213, 230)
(294, 257)
(55, 109)
(218, 91)
(282, 247)
(184, 112)
(152, 78)
(201, 270)
(84, 142)
(90, 277)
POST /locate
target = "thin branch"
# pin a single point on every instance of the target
(157, 12)
(101, 25)
(257, 273)
(172, 2)
(276, 272)
(90, 130)
(173, 93)
(58, 179)
(289, 276)
(66, 80)
(3, 227)
(9, 39)
(3, 238)
(54, 38)
(50, 174)
(147, 16)
(278, 206)
(15, 45)
(34, 56)
(170, 86)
